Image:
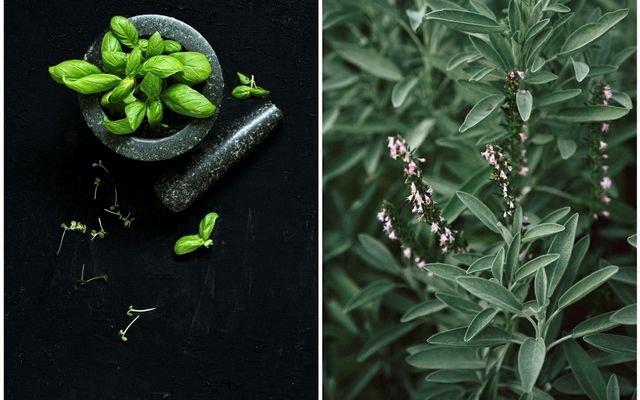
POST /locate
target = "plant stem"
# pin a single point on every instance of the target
(61, 239)
(552, 345)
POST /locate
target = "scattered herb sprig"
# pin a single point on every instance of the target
(123, 332)
(73, 226)
(247, 88)
(189, 243)
(83, 281)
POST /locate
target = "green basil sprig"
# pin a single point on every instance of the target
(247, 88)
(163, 66)
(189, 243)
(124, 31)
(72, 70)
(114, 62)
(155, 46)
(196, 67)
(134, 62)
(184, 100)
(95, 83)
(171, 46)
(135, 113)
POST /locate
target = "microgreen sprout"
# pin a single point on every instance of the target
(82, 281)
(247, 88)
(113, 209)
(133, 310)
(96, 183)
(101, 233)
(122, 333)
(73, 226)
(189, 243)
(98, 164)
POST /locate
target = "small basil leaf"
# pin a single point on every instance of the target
(171, 46)
(259, 92)
(142, 45)
(155, 47)
(184, 100)
(196, 67)
(155, 112)
(135, 112)
(72, 70)
(187, 244)
(241, 92)
(122, 91)
(133, 62)
(151, 85)
(110, 43)
(124, 31)
(114, 62)
(207, 224)
(95, 83)
(119, 127)
(163, 66)
(245, 80)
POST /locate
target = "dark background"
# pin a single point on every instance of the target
(236, 321)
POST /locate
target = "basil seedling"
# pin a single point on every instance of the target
(243, 92)
(189, 243)
(73, 226)
(83, 281)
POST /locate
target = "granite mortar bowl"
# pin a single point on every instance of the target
(182, 134)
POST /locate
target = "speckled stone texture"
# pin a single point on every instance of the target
(176, 142)
(177, 190)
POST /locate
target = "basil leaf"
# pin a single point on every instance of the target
(95, 83)
(259, 92)
(151, 85)
(241, 92)
(114, 62)
(135, 113)
(72, 70)
(142, 45)
(155, 112)
(163, 66)
(124, 31)
(207, 224)
(133, 62)
(196, 67)
(187, 244)
(187, 101)
(119, 127)
(110, 43)
(245, 80)
(155, 46)
(171, 46)
(122, 91)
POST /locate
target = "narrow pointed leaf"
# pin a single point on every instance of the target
(595, 113)
(480, 210)
(497, 266)
(452, 376)
(491, 292)
(626, 315)
(489, 53)
(401, 90)
(613, 388)
(383, 339)
(378, 254)
(461, 58)
(483, 109)
(511, 260)
(464, 21)
(458, 303)
(557, 97)
(438, 357)
(481, 264)
(586, 286)
(562, 244)
(540, 287)
(581, 69)
(490, 336)
(588, 33)
(524, 101)
(371, 292)
(613, 343)
(584, 370)
(541, 230)
(479, 322)
(532, 267)
(422, 309)
(530, 359)
(369, 61)
(446, 271)
(633, 240)
(599, 323)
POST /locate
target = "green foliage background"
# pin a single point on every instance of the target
(385, 73)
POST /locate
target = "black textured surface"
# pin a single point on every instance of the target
(236, 321)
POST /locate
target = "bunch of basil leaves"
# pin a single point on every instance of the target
(135, 83)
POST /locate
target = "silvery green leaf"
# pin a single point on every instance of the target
(383, 339)
(171, 46)
(162, 66)
(588, 33)
(401, 90)
(497, 265)
(599, 70)
(540, 77)
(581, 69)
(504, 49)
(592, 113)
(613, 388)
(481, 73)
(531, 267)
(462, 58)
(524, 101)
(481, 264)
(586, 286)
(555, 216)
(489, 53)
(584, 370)
(623, 99)
(487, 337)
(480, 87)
(415, 17)
(72, 70)
(464, 21)
(541, 230)
(378, 254)
(479, 322)
(422, 309)
(511, 258)
(491, 292)
(514, 16)
(542, 138)
(626, 315)
(480, 210)
(207, 224)
(472, 185)
(559, 8)
(151, 85)
(537, 64)
(557, 97)
(633, 240)
(196, 67)
(438, 357)
(95, 83)
(535, 29)
(613, 343)
(458, 303)
(482, 8)
(184, 100)
(452, 376)
(530, 360)
(124, 31)
(596, 324)
(446, 271)
(562, 244)
(619, 58)
(369, 61)
(567, 147)
(155, 45)
(540, 286)
(533, 49)
(369, 293)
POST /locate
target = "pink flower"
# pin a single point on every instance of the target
(420, 263)
(512, 75)
(606, 183)
(412, 168)
(605, 213)
(521, 75)
(435, 227)
(605, 168)
(606, 92)
(382, 214)
(603, 145)
(523, 171)
(606, 199)
(407, 252)
(392, 236)
(522, 136)
(503, 175)
(604, 128)
(605, 156)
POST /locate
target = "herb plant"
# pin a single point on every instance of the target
(248, 88)
(495, 142)
(154, 73)
(189, 243)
